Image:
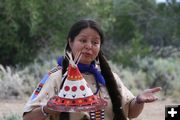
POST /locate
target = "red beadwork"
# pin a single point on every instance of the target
(74, 88)
(91, 103)
(82, 87)
(66, 88)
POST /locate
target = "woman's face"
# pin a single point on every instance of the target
(88, 43)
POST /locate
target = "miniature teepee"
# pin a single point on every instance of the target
(75, 95)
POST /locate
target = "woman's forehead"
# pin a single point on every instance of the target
(89, 32)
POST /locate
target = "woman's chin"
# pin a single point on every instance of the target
(85, 61)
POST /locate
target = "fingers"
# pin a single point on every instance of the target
(156, 89)
(148, 95)
(145, 99)
(151, 99)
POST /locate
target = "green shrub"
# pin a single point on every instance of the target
(134, 80)
(126, 54)
(161, 72)
(17, 83)
(152, 72)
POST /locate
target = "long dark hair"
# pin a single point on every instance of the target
(111, 84)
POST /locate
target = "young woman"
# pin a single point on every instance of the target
(86, 37)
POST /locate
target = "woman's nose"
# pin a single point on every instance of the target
(88, 45)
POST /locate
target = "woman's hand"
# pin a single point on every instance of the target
(148, 96)
(137, 104)
(48, 111)
(39, 113)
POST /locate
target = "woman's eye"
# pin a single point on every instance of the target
(95, 42)
(83, 40)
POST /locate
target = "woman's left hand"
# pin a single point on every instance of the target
(148, 95)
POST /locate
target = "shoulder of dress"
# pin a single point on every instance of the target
(118, 79)
(115, 75)
(55, 69)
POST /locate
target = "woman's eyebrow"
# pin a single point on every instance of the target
(84, 36)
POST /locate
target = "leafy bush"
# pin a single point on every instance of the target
(126, 54)
(16, 40)
(28, 26)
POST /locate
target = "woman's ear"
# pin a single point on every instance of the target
(70, 43)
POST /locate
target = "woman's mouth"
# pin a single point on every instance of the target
(86, 54)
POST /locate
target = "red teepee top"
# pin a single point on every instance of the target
(74, 73)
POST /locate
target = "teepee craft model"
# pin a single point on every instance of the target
(75, 94)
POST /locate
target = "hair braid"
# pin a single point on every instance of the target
(112, 88)
(64, 115)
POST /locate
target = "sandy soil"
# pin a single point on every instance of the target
(11, 106)
(152, 111)
(155, 110)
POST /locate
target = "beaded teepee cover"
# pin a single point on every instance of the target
(75, 95)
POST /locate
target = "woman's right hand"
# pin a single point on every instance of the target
(37, 113)
(48, 111)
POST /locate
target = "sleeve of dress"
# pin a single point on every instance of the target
(47, 88)
(127, 96)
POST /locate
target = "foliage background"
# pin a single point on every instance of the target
(142, 41)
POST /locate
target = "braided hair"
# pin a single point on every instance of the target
(112, 88)
(111, 84)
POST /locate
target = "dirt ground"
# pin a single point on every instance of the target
(151, 111)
